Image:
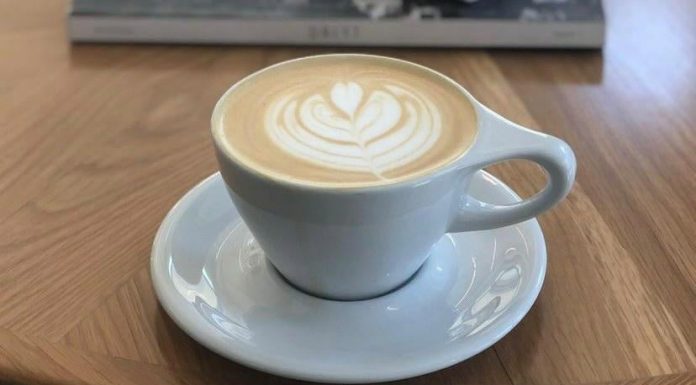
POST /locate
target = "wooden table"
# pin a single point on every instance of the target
(97, 142)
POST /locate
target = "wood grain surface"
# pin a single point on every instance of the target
(97, 142)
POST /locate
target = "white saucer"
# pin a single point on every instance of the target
(214, 281)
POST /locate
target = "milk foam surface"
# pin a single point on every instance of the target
(346, 120)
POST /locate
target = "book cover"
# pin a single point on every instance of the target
(462, 23)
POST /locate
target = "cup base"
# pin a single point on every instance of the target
(343, 299)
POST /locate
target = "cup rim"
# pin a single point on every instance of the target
(215, 130)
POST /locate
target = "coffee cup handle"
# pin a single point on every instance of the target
(499, 140)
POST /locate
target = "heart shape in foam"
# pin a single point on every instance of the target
(347, 97)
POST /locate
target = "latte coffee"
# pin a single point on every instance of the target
(345, 121)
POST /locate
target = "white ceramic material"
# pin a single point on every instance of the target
(213, 279)
(357, 243)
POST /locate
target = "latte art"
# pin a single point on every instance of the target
(353, 129)
(345, 121)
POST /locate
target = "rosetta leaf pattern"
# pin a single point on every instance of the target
(353, 129)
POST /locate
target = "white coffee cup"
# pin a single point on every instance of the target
(357, 243)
